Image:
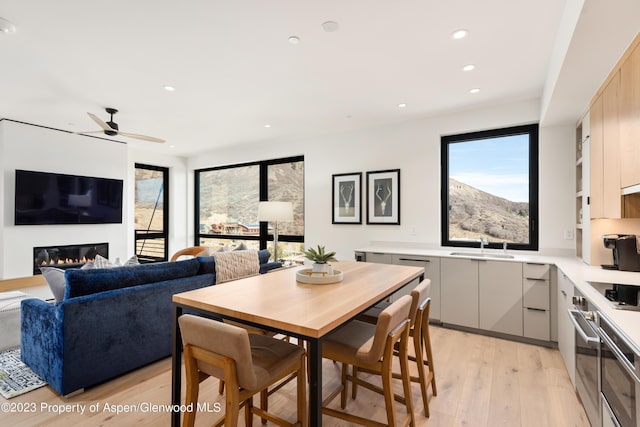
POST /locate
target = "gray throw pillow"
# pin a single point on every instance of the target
(55, 279)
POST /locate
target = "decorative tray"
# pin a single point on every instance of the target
(307, 276)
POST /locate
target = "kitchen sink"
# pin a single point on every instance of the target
(482, 255)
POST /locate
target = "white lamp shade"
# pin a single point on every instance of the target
(275, 211)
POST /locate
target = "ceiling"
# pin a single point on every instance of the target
(234, 70)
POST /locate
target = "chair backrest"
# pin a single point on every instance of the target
(419, 294)
(190, 251)
(224, 340)
(388, 320)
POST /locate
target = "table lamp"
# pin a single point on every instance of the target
(275, 211)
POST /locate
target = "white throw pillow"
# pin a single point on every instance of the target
(55, 279)
(102, 262)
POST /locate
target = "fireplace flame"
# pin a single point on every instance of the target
(66, 261)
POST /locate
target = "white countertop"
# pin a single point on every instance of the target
(575, 269)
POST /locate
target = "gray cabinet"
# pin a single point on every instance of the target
(459, 290)
(500, 297)
(431, 267)
(566, 331)
(536, 311)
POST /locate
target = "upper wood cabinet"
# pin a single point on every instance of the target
(604, 178)
(629, 120)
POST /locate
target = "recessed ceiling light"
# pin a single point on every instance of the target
(402, 105)
(172, 146)
(330, 26)
(6, 27)
(169, 88)
(294, 40)
(459, 34)
(474, 90)
(267, 126)
(469, 67)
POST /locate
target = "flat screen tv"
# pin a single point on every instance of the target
(53, 198)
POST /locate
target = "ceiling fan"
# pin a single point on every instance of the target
(111, 128)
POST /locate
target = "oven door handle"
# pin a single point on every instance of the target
(589, 340)
(621, 357)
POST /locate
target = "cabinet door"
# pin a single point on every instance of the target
(431, 267)
(566, 331)
(611, 135)
(459, 289)
(500, 296)
(380, 258)
(629, 116)
(596, 161)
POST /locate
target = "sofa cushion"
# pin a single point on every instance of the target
(86, 282)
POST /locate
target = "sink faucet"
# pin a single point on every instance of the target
(483, 241)
(504, 247)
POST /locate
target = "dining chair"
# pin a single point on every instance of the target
(363, 345)
(247, 363)
(419, 333)
(193, 251)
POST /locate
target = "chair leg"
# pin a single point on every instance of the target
(343, 393)
(193, 387)
(354, 384)
(264, 402)
(248, 412)
(302, 393)
(406, 383)
(233, 408)
(422, 377)
(426, 337)
(387, 387)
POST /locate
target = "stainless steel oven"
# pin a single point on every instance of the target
(620, 377)
(585, 320)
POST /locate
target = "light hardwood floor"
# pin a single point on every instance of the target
(482, 381)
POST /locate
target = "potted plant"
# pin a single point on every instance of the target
(320, 260)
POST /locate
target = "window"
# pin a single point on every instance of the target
(227, 201)
(490, 188)
(151, 215)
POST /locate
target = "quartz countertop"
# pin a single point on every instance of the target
(574, 268)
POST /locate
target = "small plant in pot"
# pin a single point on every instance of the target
(320, 260)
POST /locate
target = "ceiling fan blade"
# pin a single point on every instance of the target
(100, 122)
(143, 137)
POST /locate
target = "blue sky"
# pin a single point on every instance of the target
(499, 166)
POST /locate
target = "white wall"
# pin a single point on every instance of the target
(414, 147)
(40, 149)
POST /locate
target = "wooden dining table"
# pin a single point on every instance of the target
(278, 302)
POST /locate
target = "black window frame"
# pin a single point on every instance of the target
(533, 131)
(264, 237)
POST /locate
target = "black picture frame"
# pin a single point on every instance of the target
(346, 198)
(383, 197)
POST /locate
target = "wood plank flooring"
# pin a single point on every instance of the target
(482, 381)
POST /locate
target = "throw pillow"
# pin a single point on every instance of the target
(241, 247)
(132, 261)
(55, 279)
(102, 262)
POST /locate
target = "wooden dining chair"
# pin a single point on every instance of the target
(193, 251)
(247, 363)
(363, 345)
(419, 333)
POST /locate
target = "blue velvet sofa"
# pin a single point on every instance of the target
(110, 321)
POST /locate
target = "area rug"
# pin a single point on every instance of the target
(15, 377)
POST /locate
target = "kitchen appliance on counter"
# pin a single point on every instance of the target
(620, 377)
(621, 296)
(585, 321)
(625, 252)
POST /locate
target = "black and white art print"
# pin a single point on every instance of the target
(346, 194)
(383, 197)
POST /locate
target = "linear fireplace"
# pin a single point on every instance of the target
(67, 256)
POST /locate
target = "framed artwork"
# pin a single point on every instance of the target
(383, 197)
(346, 198)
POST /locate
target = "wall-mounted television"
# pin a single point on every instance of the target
(53, 198)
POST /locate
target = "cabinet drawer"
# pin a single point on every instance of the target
(537, 324)
(380, 258)
(535, 293)
(535, 271)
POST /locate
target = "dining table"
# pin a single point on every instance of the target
(277, 301)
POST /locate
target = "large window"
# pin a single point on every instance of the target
(151, 216)
(227, 201)
(490, 188)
